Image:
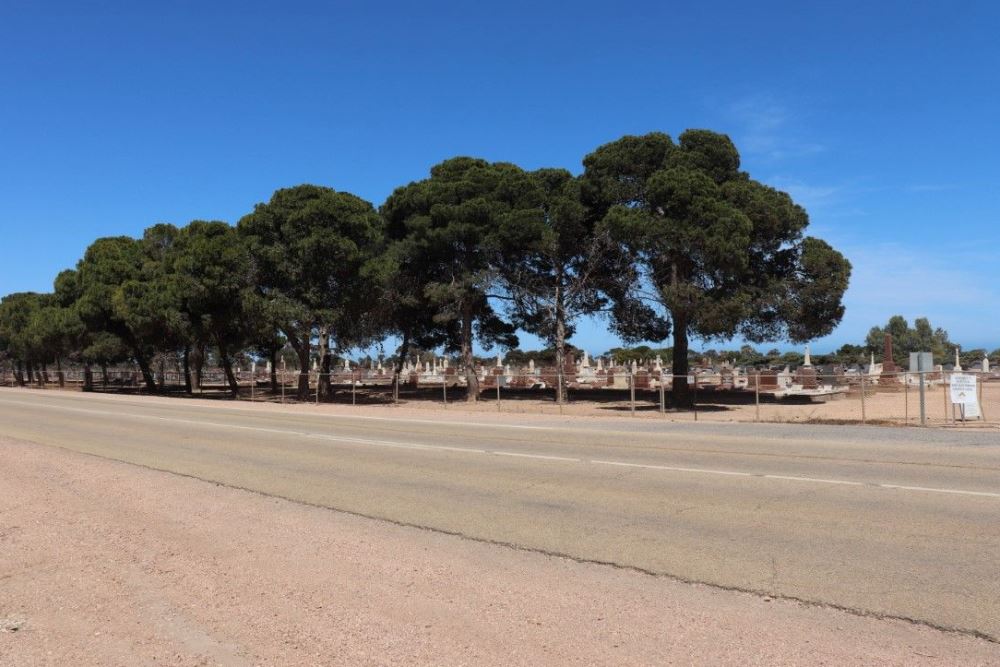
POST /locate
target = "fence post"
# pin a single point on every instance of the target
(663, 395)
(979, 386)
(756, 396)
(444, 389)
(498, 392)
(631, 391)
(354, 389)
(560, 389)
(863, 398)
(694, 402)
(923, 398)
(282, 386)
(944, 397)
(317, 388)
(906, 399)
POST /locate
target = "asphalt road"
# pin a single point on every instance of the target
(896, 522)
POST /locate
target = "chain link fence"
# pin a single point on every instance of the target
(804, 396)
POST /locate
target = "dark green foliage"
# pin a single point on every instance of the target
(445, 245)
(665, 238)
(721, 254)
(308, 246)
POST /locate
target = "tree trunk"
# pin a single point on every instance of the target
(88, 378)
(681, 392)
(199, 366)
(274, 369)
(19, 374)
(163, 374)
(303, 351)
(323, 383)
(147, 372)
(59, 373)
(104, 375)
(471, 379)
(227, 366)
(45, 374)
(186, 360)
(560, 345)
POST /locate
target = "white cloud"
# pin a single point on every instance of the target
(764, 129)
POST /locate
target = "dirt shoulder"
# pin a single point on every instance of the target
(104, 563)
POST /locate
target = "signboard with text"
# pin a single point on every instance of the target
(963, 394)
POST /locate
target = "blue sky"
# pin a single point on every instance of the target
(880, 118)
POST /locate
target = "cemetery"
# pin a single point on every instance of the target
(878, 392)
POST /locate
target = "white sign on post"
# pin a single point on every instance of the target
(963, 394)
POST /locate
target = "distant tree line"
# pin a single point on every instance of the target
(665, 239)
(921, 337)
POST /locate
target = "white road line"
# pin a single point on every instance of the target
(469, 450)
(818, 480)
(546, 457)
(962, 492)
(709, 471)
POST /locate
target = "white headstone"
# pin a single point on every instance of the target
(600, 363)
(269, 368)
(586, 360)
(499, 362)
(871, 365)
(315, 365)
(347, 364)
(986, 364)
(808, 359)
(958, 364)
(531, 365)
(445, 362)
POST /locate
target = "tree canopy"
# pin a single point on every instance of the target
(721, 254)
(662, 238)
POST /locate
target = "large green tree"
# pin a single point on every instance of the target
(16, 313)
(308, 245)
(722, 254)
(118, 298)
(208, 273)
(557, 265)
(444, 230)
